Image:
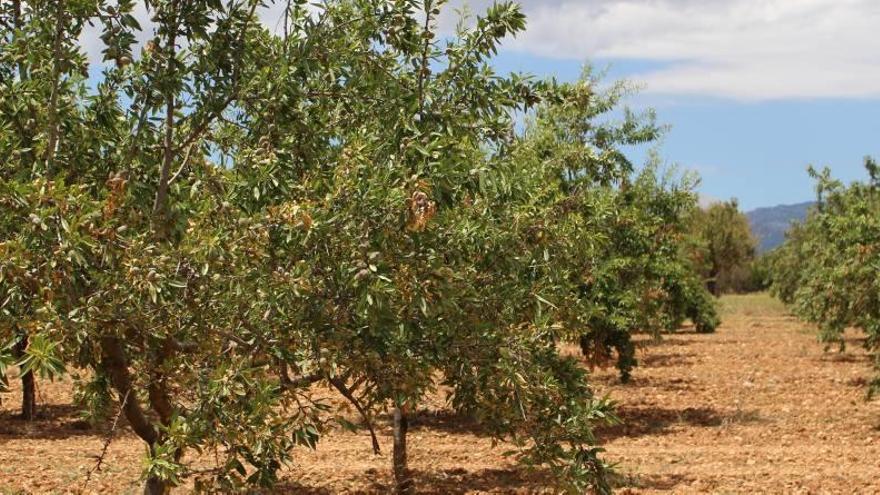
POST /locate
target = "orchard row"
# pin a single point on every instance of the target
(223, 216)
(827, 269)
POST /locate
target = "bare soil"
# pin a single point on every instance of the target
(758, 407)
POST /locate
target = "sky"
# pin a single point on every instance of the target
(753, 91)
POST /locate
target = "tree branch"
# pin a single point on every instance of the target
(424, 69)
(99, 459)
(52, 143)
(157, 390)
(339, 385)
(115, 364)
(202, 126)
(160, 206)
(300, 381)
(182, 165)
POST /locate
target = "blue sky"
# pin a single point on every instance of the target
(754, 150)
(753, 90)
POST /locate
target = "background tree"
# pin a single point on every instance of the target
(787, 262)
(618, 234)
(723, 245)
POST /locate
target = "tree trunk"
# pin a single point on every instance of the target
(28, 385)
(712, 287)
(29, 396)
(402, 479)
(115, 363)
(712, 283)
(156, 486)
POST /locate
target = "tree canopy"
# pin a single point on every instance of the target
(228, 217)
(723, 245)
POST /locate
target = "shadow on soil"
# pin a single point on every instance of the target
(859, 382)
(443, 420)
(446, 421)
(658, 360)
(449, 481)
(640, 421)
(53, 422)
(667, 385)
(651, 482)
(846, 357)
(486, 480)
(665, 341)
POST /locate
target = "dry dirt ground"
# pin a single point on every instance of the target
(757, 407)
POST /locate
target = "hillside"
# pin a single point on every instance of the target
(770, 224)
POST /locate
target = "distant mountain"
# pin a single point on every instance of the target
(769, 224)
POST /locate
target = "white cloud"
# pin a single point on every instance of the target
(742, 49)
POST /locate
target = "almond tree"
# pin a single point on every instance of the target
(725, 244)
(826, 269)
(229, 217)
(125, 256)
(400, 160)
(38, 77)
(619, 235)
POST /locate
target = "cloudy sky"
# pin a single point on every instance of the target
(754, 90)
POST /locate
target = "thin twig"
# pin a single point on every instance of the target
(182, 165)
(424, 69)
(339, 384)
(107, 441)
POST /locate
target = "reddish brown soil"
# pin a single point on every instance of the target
(757, 407)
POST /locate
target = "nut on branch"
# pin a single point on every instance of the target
(421, 210)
